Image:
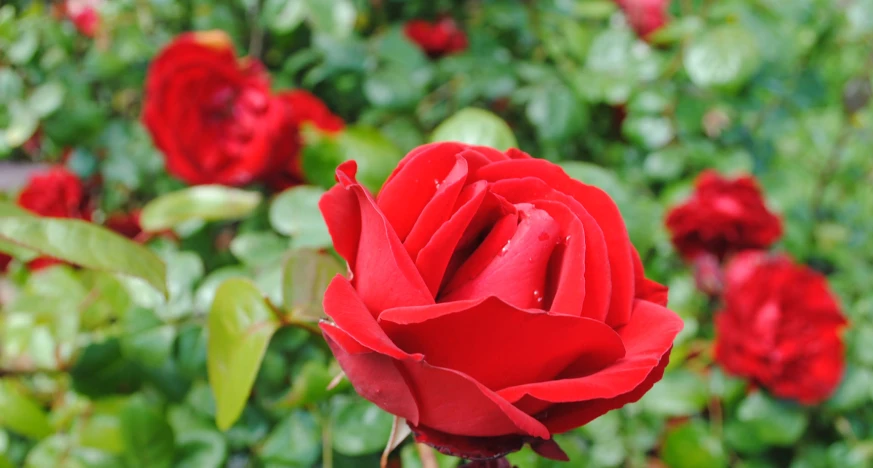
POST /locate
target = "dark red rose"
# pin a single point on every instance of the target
(436, 39)
(492, 300)
(301, 108)
(56, 193)
(780, 327)
(210, 113)
(721, 217)
(5, 260)
(126, 224)
(645, 16)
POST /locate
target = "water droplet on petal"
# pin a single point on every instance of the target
(567, 240)
(538, 296)
(436, 183)
(530, 259)
(505, 248)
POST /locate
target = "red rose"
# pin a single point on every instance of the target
(5, 260)
(492, 300)
(721, 217)
(645, 16)
(436, 39)
(301, 108)
(126, 224)
(209, 113)
(780, 326)
(56, 193)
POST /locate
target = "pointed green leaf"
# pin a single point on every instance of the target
(304, 281)
(201, 203)
(240, 327)
(85, 244)
(295, 213)
(20, 414)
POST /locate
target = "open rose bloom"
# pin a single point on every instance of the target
(781, 327)
(492, 300)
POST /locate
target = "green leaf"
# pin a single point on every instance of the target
(309, 385)
(359, 427)
(240, 326)
(305, 278)
(333, 17)
(19, 413)
(201, 449)
(86, 245)
(24, 47)
(556, 113)
(202, 203)
(691, 445)
(476, 127)
(296, 441)
(258, 248)
(376, 157)
(295, 213)
(283, 16)
(23, 122)
(148, 438)
(679, 393)
(763, 421)
(724, 57)
(102, 370)
(47, 98)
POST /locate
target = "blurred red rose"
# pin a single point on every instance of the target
(780, 327)
(492, 300)
(126, 224)
(301, 108)
(5, 260)
(645, 16)
(210, 113)
(84, 14)
(438, 38)
(721, 217)
(55, 193)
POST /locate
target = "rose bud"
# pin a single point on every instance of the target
(780, 327)
(722, 216)
(645, 16)
(436, 39)
(492, 300)
(210, 113)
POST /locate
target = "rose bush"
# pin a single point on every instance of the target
(491, 300)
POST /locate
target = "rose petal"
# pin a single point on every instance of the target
(375, 376)
(384, 275)
(497, 344)
(647, 337)
(600, 206)
(438, 209)
(433, 259)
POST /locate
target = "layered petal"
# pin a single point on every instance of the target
(383, 274)
(507, 342)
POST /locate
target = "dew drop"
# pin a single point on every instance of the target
(567, 240)
(530, 259)
(538, 296)
(505, 248)
(437, 183)
(543, 236)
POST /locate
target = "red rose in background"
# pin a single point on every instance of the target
(492, 300)
(645, 16)
(780, 327)
(126, 224)
(209, 113)
(5, 260)
(721, 217)
(56, 193)
(301, 108)
(84, 14)
(436, 39)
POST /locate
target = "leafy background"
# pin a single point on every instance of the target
(98, 369)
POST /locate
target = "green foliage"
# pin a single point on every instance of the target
(201, 349)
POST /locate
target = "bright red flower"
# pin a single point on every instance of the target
(645, 16)
(780, 327)
(721, 217)
(84, 15)
(301, 108)
(56, 193)
(210, 113)
(436, 39)
(492, 300)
